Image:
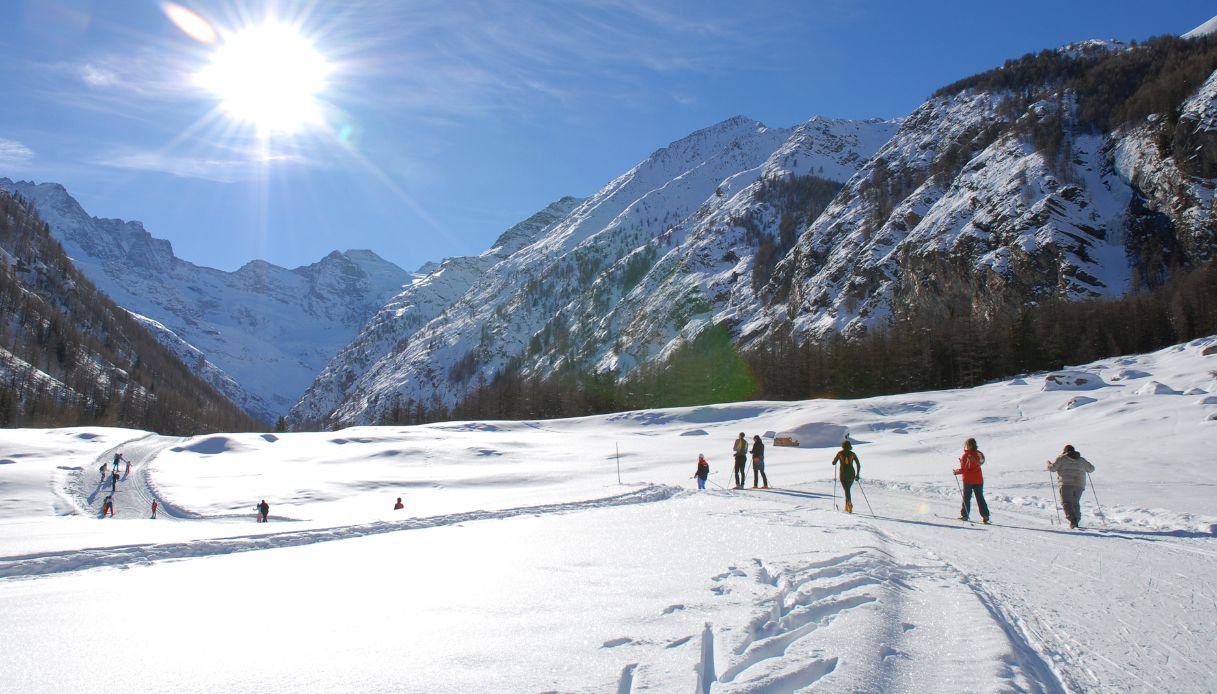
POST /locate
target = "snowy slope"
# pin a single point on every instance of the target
(266, 328)
(514, 532)
(612, 283)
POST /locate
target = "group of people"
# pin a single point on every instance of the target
(740, 452)
(1070, 467)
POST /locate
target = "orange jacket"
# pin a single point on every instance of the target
(969, 467)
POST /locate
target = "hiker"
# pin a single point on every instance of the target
(847, 471)
(758, 462)
(1071, 470)
(703, 471)
(154, 505)
(740, 450)
(114, 481)
(263, 510)
(973, 481)
(398, 506)
(107, 507)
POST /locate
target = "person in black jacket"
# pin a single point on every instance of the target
(740, 450)
(758, 462)
(263, 511)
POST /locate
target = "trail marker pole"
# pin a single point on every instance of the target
(618, 462)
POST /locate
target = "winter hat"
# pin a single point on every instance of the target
(1068, 448)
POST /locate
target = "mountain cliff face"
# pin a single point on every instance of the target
(990, 198)
(70, 356)
(610, 282)
(260, 334)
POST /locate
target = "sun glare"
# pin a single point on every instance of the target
(269, 76)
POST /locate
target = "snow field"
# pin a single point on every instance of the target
(520, 563)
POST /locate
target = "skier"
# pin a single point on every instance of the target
(1071, 469)
(102, 470)
(703, 471)
(107, 507)
(118, 457)
(847, 473)
(740, 449)
(264, 509)
(154, 505)
(973, 481)
(114, 481)
(398, 506)
(758, 462)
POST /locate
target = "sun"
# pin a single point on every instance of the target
(269, 76)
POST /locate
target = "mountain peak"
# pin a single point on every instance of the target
(1205, 29)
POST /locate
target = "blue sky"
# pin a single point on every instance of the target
(444, 122)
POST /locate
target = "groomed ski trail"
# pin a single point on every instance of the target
(32, 565)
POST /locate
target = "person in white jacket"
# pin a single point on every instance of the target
(1071, 469)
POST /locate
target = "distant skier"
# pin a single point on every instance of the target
(263, 509)
(703, 471)
(758, 462)
(1071, 469)
(154, 505)
(107, 507)
(104, 467)
(119, 457)
(114, 481)
(740, 449)
(847, 472)
(398, 506)
(973, 481)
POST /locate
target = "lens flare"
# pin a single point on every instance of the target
(190, 22)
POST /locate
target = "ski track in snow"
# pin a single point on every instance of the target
(79, 560)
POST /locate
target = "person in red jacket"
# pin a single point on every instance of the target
(973, 481)
(703, 471)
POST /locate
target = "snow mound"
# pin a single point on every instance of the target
(817, 434)
(695, 432)
(1156, 388)
(713, 414)
(1129, 374)
(1077, 402)
(1073, 380)
(1210, 400)
(212, 445)
(1017, 382)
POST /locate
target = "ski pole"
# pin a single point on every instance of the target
(834, 489)
(1102, 516)
(1055, 505)
(868, 508)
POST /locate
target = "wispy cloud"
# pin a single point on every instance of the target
(221, 169)
(13, 152)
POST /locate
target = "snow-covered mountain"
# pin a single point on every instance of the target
(259, 334)
(610, 282)
(1036, 180)
(997, 197)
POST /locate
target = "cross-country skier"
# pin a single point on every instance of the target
(114, 481)
(847, 472)
(102, 470)
(398, 506)
(758, 462)
(740, 449)
(118, 457)
(703, 471)
(107, 507)
(264, 509)
(973, 481)
(1071, 468)
(154, 505)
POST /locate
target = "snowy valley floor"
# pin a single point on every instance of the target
(521, 564)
